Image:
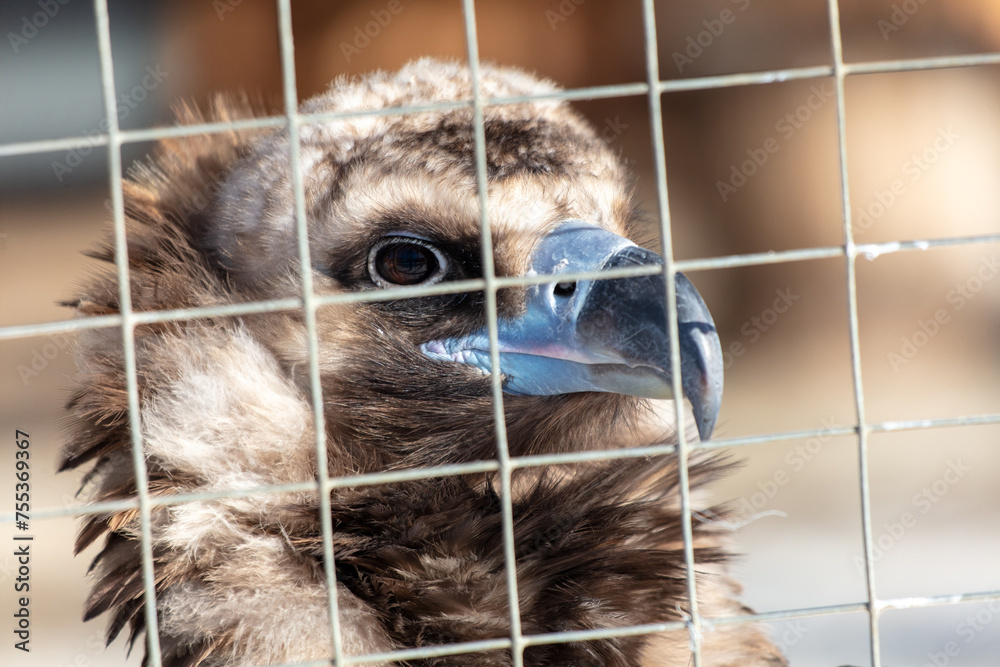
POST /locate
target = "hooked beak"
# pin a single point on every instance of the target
(600, 335)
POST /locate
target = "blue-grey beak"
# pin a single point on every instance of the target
(600, 335)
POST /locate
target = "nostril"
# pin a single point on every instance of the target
(564, 289)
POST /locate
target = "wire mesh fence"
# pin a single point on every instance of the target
(654, 89)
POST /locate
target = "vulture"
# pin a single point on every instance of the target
(226, 407)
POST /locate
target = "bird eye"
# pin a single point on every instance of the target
(402, 260)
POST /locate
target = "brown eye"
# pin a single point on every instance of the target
(402, 260)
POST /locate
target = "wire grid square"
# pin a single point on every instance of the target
(653, 88)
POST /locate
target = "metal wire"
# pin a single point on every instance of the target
(128, 337)
(504, 465)
(490, 294)
(309, 306)
(682, 448)
(855, 337)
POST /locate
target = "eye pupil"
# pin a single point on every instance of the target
(410, 261)
(405, 263)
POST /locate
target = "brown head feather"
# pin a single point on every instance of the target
(225, 401)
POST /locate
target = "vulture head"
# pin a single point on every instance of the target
(392, 202)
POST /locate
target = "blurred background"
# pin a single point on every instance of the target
(749, 169)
